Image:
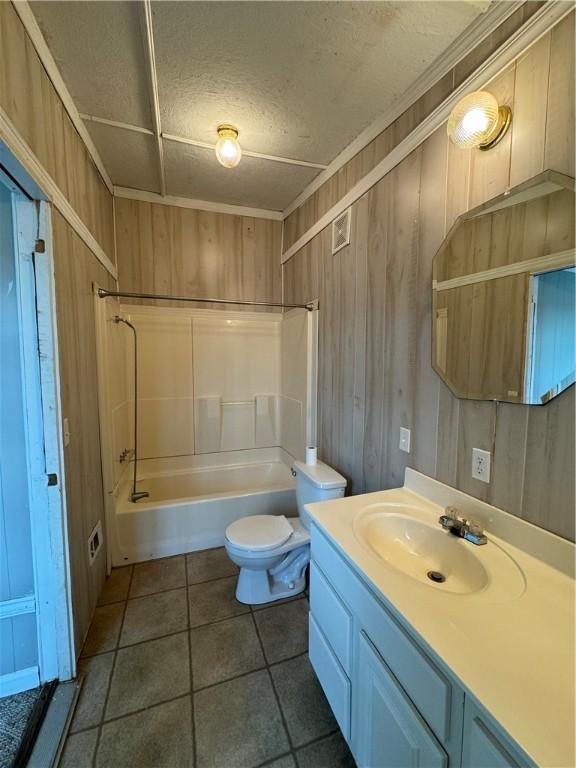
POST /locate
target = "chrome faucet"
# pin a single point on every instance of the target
(459, 526)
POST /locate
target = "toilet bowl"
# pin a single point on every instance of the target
(273, 551)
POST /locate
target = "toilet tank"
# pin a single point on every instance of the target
(316, 482)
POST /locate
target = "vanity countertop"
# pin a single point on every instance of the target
(515, 657)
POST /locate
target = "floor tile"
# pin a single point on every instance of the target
(214, 600)
(284, 630)
(283, 762)
(160, 737)
(155, 616)
(307, 713)
(157, 576)
(79, 750)
(332, 752)
(96, 672)
(116, 586)
(261, 606)
(104, 630)
(148, 674)
(238, 724)
(223, 650)
(209, 564)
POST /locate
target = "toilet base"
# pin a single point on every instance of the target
(257, 587)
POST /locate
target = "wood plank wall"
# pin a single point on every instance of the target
(75, 272)
(181, 251)
(334, 188)
(34, 107)
(31, 102)
(375, 372)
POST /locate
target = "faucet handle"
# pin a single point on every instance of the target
(475, 528)
(449, 519)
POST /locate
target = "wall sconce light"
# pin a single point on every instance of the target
(478, 121)
(227, 148)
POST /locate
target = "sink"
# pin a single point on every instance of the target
(411, 542)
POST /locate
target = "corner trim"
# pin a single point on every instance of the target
(201, 205)
(538, 25)
(34, 32)
(54, 194)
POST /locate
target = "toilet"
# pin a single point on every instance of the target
(273, 551)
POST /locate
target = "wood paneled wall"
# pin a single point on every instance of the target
(375, 372)
(181, 251)
(334, 188)
(32, 104)
(75, 271)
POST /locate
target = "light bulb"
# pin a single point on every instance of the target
(227, 148)
(478, 121)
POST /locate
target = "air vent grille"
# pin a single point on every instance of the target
(341, 231)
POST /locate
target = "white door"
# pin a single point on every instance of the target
(34, 596)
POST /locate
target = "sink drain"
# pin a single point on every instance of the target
(436, 577)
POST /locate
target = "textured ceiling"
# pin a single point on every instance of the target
(299, 79)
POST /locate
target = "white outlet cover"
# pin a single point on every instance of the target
(481, 465)
(405, 435)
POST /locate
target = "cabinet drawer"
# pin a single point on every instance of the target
(332, 616)
(332, 678)
(426, 685)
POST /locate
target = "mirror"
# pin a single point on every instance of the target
(504, 302)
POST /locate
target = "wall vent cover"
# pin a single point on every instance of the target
(95, 542)
(341, 231)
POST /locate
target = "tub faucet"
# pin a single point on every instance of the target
(459, 526)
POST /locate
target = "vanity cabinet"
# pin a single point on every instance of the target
(390, 731)
(482, 746)
(395, 704)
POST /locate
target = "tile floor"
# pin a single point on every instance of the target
(178, 673)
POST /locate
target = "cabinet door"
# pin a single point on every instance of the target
(390, 732)
(482, 747)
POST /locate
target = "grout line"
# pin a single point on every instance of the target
(192, 718)
(274, 691)
(109, 686)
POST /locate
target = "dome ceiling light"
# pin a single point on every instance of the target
(478, 121)
(228, 150)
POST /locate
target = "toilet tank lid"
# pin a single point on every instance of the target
(321, 475)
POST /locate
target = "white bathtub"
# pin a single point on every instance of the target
(193, 499)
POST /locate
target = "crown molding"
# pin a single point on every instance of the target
(199, 205)
(481, 27)
(550, 14)
(28, 160)
(34, 32)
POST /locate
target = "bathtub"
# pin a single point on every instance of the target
(194, 498)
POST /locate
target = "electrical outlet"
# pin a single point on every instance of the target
(404, 440)
(481, 464)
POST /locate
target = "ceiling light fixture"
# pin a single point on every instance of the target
(478, 121)
(228, 149)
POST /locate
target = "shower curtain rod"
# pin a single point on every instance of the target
(103, 293)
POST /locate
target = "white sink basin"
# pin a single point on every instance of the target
(406, 539)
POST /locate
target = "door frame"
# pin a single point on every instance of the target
(52, 599)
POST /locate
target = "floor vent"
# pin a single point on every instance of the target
(341, 231)
(95, 542)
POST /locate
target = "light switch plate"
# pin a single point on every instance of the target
(405, 435)
(481, 464)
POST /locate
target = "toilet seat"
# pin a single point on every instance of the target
(259, 532)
